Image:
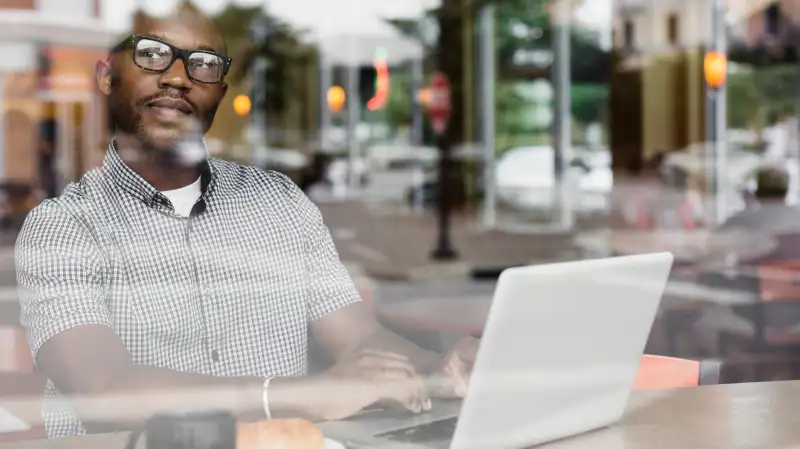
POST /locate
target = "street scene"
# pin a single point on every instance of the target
(442, 142)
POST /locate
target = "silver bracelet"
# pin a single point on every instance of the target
(265, 397)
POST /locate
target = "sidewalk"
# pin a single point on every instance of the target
(395, 245)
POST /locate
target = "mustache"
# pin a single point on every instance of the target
(167, 93)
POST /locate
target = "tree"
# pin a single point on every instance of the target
(290, 64)
(400, 102)
(526, 24)
(521, 25)
(761, 96)
(589, 102)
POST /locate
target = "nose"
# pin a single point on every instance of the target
(175, 77)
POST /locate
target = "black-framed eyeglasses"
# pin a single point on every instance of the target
(155, 55)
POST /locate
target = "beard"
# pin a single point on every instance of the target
(181, 144)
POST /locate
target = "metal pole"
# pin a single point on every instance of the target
(487, 103)
(325, 117)
(417, 177)
(353, 119)
(258, 118)
(791, 153)
(716, 124)
(444, 250)
(562, 125)
(258, 155)
(444, 246)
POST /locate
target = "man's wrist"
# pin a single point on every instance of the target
(293, 397)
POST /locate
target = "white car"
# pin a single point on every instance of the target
(525, 179)
(339, 169)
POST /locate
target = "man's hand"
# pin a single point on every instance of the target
(367, 378)
(451, 378)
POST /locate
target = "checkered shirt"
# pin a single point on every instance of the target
(228, 291)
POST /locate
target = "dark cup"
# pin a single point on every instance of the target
(195, 430)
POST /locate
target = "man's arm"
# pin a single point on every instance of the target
(340, 322)
(353, 327)
(60, 271)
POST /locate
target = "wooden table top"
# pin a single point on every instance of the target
(751, 416)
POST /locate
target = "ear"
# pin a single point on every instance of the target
(103, 76)
(224, 88)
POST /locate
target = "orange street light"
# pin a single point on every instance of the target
(424, 96)
(715, 69)
(336, 98)
(242, 105)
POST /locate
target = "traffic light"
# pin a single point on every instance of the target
(715, 69)
(242, 105)
(381, 66)
(336, 98)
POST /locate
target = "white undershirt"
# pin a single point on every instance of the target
(183, 199)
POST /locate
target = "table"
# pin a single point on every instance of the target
(752, 416)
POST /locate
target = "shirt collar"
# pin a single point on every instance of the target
(129, 181)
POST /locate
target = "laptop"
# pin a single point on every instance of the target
(558, 358)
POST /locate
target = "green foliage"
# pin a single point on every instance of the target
(589, 102)
(759, 97)
(283, 49)
(591, 68)
(399, 104)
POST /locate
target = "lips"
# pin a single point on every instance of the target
(171, 104)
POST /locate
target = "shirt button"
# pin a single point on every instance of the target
(215, 355)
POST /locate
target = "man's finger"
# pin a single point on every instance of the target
(410, 393)
(418, 397)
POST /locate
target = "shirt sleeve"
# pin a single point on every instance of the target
(59, 275)
(330, 285)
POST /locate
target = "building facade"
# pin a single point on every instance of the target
(52, 113)
(659, 47)
(772, 23)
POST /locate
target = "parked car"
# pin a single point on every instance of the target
(525, 179)
(339, 170)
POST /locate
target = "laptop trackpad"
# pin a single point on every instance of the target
(381, 421)
(427, 433)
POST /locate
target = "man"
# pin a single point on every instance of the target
(160, 285)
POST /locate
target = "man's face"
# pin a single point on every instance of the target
(159, 108)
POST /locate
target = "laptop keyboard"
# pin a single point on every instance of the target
(435, 431)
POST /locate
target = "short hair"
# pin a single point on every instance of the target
(772, 183)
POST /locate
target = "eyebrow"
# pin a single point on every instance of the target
(164, 38)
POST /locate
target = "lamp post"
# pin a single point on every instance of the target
(487, 107)
(259, 32)
(439, 110)
(561, 16)
(715, 69)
